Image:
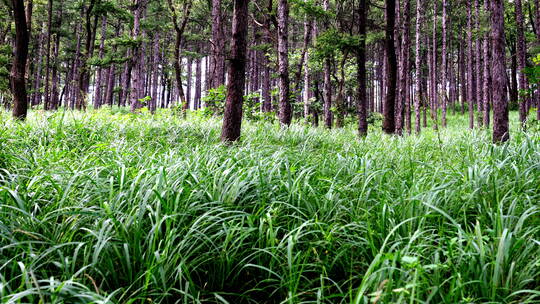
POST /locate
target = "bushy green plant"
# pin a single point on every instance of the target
(101, 208)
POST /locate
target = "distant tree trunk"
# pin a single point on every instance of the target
(55, 79)
(478, 66)
(444, 80)
(389, 120)
(84, 69)
(434, 82)
(189, 78)
(522, 61)
(418, 64)
(137, 71)
(36, 95)
(217, 65)
(198, 82)
(232, 120)
(470, 65)
(308, 27)
(361, 62)
(462, 79)
(403, 66)
(327, 87)
(285, 114)
(98, 85)
(18, 68)
(500, 103)
(47, 100)
(179, 29)
(487, 75)
(155, 64)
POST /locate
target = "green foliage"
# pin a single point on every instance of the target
(114, 208)
(215, 101)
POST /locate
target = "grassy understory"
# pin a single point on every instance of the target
(101, 208)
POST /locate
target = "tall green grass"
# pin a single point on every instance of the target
(114, 208)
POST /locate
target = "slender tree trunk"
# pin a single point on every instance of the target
(478, 67)
(36, 95)
(97, 95)
(198, 83)
(189, 78)
(327, 86)
(462, 79)
(470, 66)
(84, 69)
(522, 61)
(389, 120)
(434, 82)
(403, 66)
(444, 100)
(55, 79)
(361, 62)
(18, 68)
(285, 114)
(500, 102)
(418, 64)
(487, 74)
(137, 71)
(155, 64)
(217, 65)
(232, 120)
(47, 100)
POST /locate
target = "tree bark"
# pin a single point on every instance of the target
(444, 94)
(154, 95)
(47, 100)
(361, 62)
(470, 66)
(522, 61)
(97, 95)
(217, 65)
(232, 121)
(403, 66)
(285, 114)
(18, 68)
(486, 100)
(500, 102)
(389, 125)
(137, 71)
(418, 64)
(478, 66)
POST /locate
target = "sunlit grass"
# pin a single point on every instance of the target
(115, 208)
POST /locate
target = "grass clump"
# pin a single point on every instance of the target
(113, 208)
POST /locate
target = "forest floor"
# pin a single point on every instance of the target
(104, 207)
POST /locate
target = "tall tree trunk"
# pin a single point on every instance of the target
(55, 79)
(361, 62)
(444, 94)
(522, 61)
(137, 71)
(434, 70)
(389, 120)
(403, 66)
(36, 95)
(155, 70)
(198, 82)
(97, 95)
(486, 100)
(462, 78)
(232, 120)
(217, 65)
(47, 100)
(500, 103)
(327, 86)
(478, 66)
(285, 114)
(189, 78)
(84, 69)
(470, 65)
(418, 64)
(18, 68)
